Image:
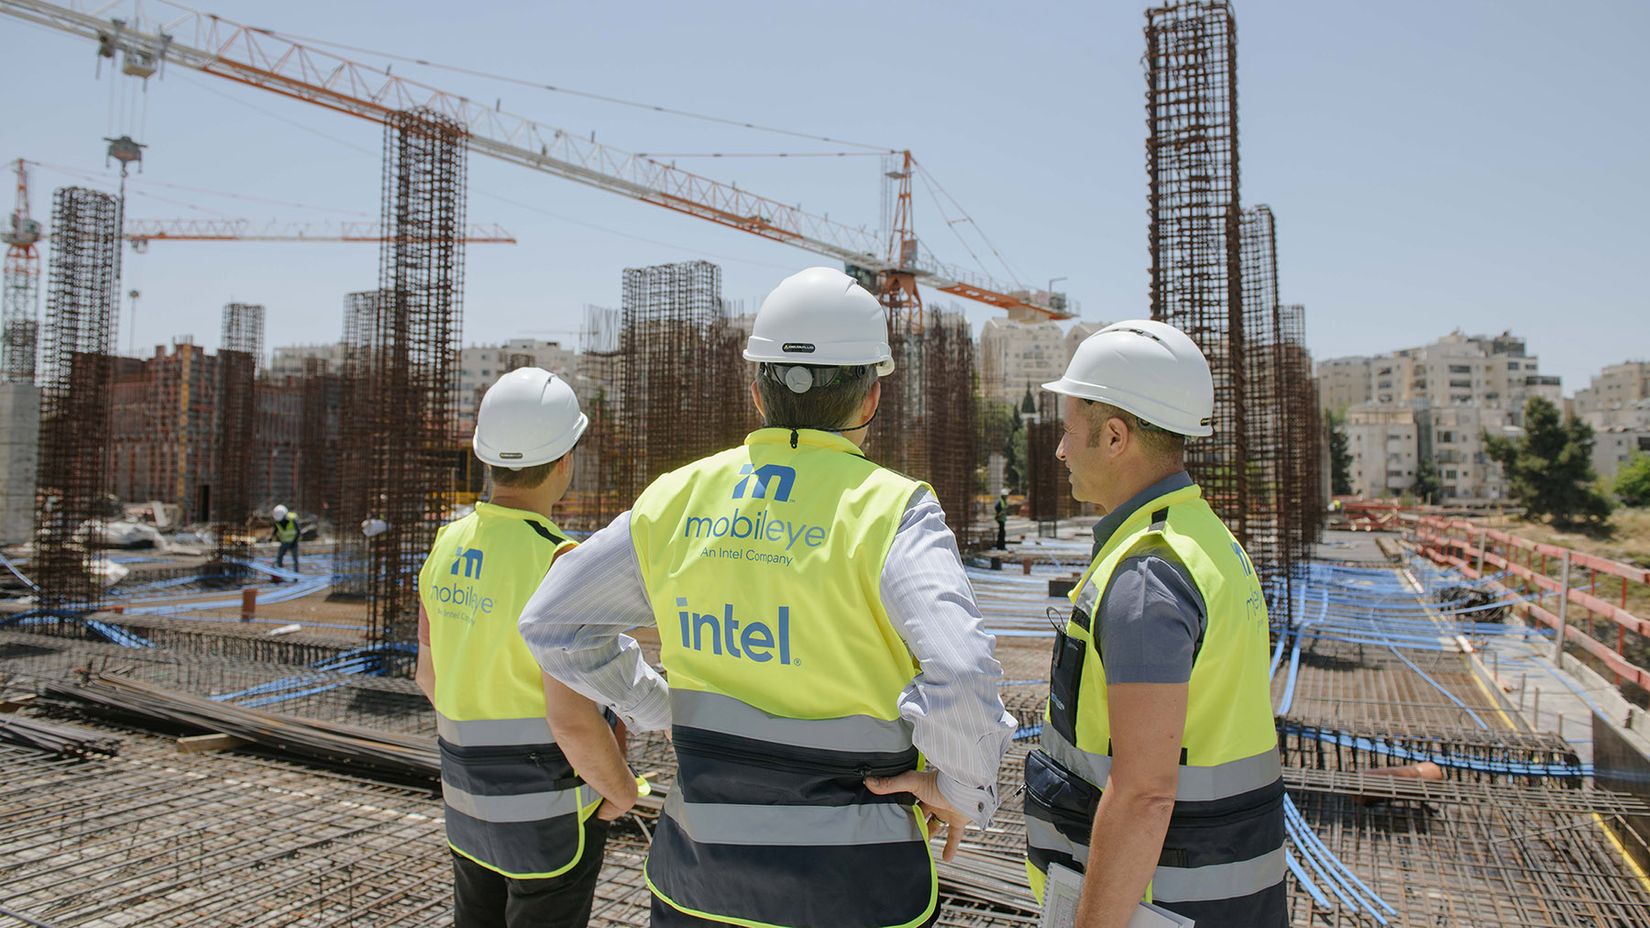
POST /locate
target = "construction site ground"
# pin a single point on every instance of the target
(247, 837)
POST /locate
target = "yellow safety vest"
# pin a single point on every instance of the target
(1222, 861)
(764, 565)
(514, 804)
(286, 530)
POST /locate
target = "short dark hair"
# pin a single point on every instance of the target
(1158, 440)
(830, 402)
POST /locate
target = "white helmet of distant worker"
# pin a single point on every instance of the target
(529, 417)
(1151, 369)
(821, 318)
(280, 513)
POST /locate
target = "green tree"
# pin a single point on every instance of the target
(1340, 459)
(1550, 467)
(1633, 480)
(1426, 483)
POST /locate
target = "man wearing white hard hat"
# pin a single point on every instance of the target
(833, 695)
(1157, 778)
(531, 771)
(285, 533)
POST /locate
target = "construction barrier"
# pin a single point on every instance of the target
(1513, 563)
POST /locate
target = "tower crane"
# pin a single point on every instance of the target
(20, 299)
(260, 58)
(141, 232)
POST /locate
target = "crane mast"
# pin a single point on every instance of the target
(20, 300)
(268, 61)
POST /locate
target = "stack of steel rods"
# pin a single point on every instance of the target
(62, 740)
(402, 758)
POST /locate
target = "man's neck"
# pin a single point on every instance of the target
(1127, 490)
(530, 501)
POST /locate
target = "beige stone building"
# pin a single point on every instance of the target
(1014, 356)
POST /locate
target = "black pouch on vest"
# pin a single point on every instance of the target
(1064, 674)
(1060, 796)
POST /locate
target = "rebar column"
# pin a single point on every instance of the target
(243, 329)
(317, 442)
(1196, 273)
(682, 380)
(1264, 399)
(19, 313)
(75, 402)
(353, 462)
(413, 449)
(231, 492)
(950, 406)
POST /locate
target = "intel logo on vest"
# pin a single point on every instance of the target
(753, 641)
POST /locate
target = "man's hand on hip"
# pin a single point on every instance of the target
(925, 786)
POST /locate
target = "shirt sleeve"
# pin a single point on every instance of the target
(1151, 620)
(954, 705)
(575, 626)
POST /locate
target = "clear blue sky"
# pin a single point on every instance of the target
(1476, 164)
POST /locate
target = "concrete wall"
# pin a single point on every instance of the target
(19, 459)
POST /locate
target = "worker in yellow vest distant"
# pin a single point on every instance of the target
(832, 694)
(1160, 694)
(526, 830)
(285, 532)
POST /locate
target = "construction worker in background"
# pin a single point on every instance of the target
(1002, 519)
(526, 830)
(1159, 692)
(821, 639)
(285, 533)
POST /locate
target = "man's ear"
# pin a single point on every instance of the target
(1117, 436)
(756, 400)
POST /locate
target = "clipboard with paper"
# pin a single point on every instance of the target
(1065, 886)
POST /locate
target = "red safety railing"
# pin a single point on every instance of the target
(1577, 605)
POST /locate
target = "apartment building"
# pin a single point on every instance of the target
(1617, 405)
(1014, 356)
(1456, 390)
(1384, 441)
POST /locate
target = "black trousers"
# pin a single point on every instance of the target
(1002, 535)
(484, 898)
(280, 554)
(666, 917)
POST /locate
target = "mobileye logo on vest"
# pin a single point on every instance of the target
(766, 476)
(771, 482)
(469, 561)
(753, 641)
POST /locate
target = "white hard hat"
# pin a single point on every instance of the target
(821, 317)
(529, 417)
(1151, 369)
(281, 513)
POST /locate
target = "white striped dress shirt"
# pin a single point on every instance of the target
(575, 626)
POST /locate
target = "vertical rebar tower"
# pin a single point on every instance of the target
(82, 297)
(682, 378)
(950, 411)
(353, 464)
(1196, 274)
(421, 275)
(243, 329)
(1264, 399)
(242, 343)
(1303, 481)
(601, 468)
(317, 445)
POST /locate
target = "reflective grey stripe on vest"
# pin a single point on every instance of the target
(1088, 596)
(519, 807)
(1045, 837)
(1176, 884)
(485, 732)
(855, 733)
(1218, 881)
(792, 826)
(1196, 784)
